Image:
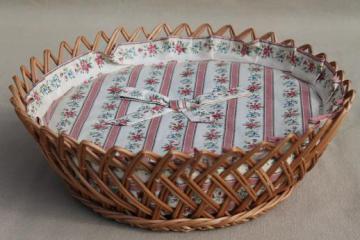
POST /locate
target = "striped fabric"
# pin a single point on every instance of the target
(278, 104)
(123, 108)
(198, 90)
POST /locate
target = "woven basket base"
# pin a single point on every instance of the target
(185, 224)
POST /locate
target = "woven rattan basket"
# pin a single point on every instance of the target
(73, 161)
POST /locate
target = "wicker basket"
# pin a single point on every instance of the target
(92, 187)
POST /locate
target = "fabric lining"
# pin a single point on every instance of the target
(277, 104)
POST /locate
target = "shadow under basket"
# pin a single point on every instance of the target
(182, 188)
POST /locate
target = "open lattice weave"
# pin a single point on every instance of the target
(92, 173)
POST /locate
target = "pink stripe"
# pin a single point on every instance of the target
(305, 104)
(86, 108)
(151, 134)
(115, 130)
(50, 112)
(199, 87)
(154, 123)
(173, 104)
(231, 109)
(189, 137)
(268, 103)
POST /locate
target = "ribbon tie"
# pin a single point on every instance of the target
(199, 109)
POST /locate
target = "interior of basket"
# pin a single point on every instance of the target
(185, 93)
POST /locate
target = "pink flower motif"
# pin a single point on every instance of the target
(221, 79)
(179, 48)
(177, 126)
(99, 60)
(253, 87)
(136, 137)
(291, 93)
(115, 89)
(169, 146)
(291, 113)
(85, 65)
(123, 122)
(152, 49)
(187, 73)
(157, 109)
(217, 116)
(185, 91)
(310, 66)
(232, 91)
(159, 66)
(292, 58)
(99, 126)
(255, 106)
(252, 125)
(69, 113)
(154, 98)
(212, 135)
(151, 81)
(109, 106)
(244, 50)
(267, 51)
(77, 96)
(36, 96)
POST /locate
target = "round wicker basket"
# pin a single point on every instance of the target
(73, 161)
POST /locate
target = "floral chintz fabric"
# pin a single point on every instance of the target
(207, 104)
(186, 93)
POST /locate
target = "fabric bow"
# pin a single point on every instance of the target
(198, 109)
